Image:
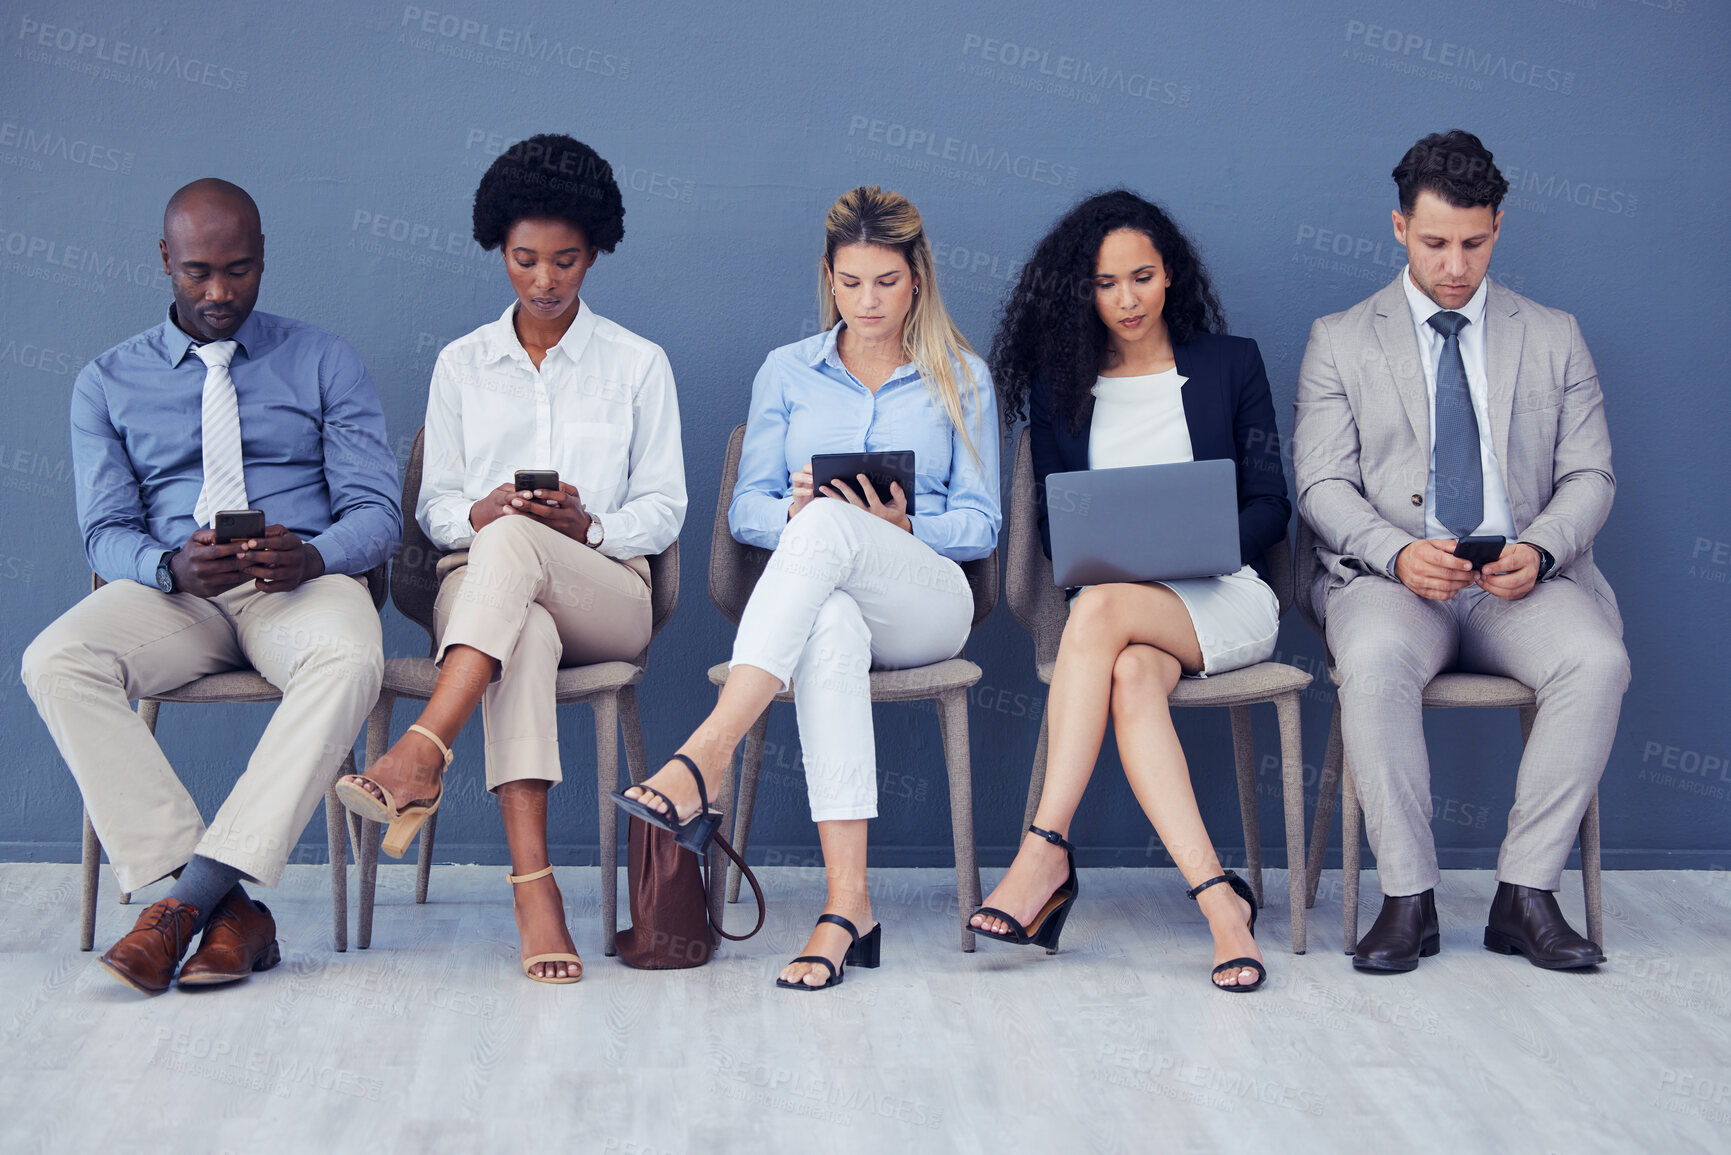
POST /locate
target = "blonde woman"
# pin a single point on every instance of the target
(854, 583)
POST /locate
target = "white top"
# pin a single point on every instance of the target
(601, 410)
(1139, 421)
(1499, 518)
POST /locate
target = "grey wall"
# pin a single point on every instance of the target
(1268, 127)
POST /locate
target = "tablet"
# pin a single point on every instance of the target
(895, 465)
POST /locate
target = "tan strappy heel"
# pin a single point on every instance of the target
(535, 959)
(402, 822)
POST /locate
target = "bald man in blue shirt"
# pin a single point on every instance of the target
(217, 408)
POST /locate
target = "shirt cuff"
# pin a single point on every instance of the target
(331, 551)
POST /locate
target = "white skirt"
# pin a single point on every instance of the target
(1236, 616)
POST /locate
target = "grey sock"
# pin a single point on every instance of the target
(202, 885)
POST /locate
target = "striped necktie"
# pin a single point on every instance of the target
(1460, 472)
(224, 478)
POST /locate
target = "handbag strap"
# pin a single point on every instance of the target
(762, 907)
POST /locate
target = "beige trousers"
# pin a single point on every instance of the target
(319, 644)
(534, 600)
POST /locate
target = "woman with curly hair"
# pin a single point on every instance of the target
(537, 578)
(857, 580)
(1113, 344)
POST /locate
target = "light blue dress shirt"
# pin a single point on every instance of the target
(805, 401)
(312, 444)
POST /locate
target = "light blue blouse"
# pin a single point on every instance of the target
(805, 401)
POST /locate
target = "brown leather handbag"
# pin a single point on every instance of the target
(670, 924)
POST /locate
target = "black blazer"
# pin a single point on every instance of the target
(1231, 417)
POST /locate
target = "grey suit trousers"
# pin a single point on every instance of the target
(1388, 643)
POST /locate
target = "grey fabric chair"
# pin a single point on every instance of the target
(1040, 607)
(237, 686)
(608, 688)
(733, 573)
(1446, 691)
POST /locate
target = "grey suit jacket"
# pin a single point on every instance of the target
(1361, 443)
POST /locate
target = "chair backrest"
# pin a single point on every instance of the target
(414, 570)
(1039, 605)
(735, 567)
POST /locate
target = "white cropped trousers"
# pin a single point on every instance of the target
(846, 592)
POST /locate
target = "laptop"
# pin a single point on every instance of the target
(1144, 523)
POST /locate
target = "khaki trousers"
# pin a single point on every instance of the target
(319, 644)
(534, 600)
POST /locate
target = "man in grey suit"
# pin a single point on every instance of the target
(1443, 407)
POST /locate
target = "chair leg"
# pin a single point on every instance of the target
(1036, 778)
(953, 723)
(636, 761)
(424, 862)
(1327, 782)
(1288, 709)
(606, 710)
(1590, 880)
(1244, 757)
(367, 835)
(718, 861)
(92, 869)
(337, 837)
(1349, 836)
(750, 767)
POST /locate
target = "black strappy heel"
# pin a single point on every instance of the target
(861, 952)
(1049, 923)
(1242, 890)
(695, 832)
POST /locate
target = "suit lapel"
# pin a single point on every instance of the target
(1393, 328)
(1505, 333)
(1191, 394)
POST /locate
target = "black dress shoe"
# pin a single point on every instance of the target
(1527, 921)
(1403, 933)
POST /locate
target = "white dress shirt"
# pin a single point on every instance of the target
(1498, 517)
(601, 410)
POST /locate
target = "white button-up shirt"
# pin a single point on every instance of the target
(1498, 517)
(601, 410)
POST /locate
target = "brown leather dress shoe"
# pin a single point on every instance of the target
(1527, 921)
(240, 938)
(145, 959)
(1404, 932)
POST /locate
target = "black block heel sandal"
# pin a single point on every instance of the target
(1242, 890)
(695, 832)
(861, 952)
(1049, 923)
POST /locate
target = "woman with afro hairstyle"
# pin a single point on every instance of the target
(544, 577)
(858, 580)
(1112, 343)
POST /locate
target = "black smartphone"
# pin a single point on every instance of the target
(880, 468)
(1480, 550)
(529, 480)
(238, 525)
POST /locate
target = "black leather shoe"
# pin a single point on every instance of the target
(1527, 921)
(1404, 932)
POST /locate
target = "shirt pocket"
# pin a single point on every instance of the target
(599, 453)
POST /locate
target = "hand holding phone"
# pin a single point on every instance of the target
(1480, 550)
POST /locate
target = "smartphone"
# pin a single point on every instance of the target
(238, 524)
(529, 480)
(1480, 550)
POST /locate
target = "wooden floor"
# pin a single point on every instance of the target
(433, 1041)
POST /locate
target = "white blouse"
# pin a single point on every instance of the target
(1139, 421)
(601, 410)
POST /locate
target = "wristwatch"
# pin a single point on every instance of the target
(165, 575)
(596, 533)
(1546, 561)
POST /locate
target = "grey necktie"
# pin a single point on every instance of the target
(224, 476)
(1460, 475)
